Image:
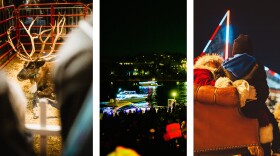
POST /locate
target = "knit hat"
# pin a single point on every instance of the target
(202, 60)
(242, 44)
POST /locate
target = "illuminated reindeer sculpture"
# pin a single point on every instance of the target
(39, 68)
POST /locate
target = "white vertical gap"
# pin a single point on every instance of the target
(190, 123)
(96, 81)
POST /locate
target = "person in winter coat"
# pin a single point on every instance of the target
(204, 74)
(204, 68)
(244, 66)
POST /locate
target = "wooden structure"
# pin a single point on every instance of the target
(219, 126)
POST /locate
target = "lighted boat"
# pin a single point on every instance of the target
(131, 96)
(148, 83)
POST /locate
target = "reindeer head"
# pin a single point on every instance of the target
(33, 62)
(30, 70)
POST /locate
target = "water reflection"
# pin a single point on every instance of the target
(152, 93)
(157, 95)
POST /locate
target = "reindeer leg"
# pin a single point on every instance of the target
(35, 108)
(53, 103)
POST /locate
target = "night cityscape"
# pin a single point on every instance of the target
(157, 66)
(143, 85)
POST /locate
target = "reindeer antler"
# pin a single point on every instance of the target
(31, 37)
(51, 30)
(28, 57)
(17, 49)
(59, 27)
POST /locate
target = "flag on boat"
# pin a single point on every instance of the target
(219, 42)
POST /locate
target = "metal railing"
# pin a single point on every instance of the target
(47, 15)
(7, 19)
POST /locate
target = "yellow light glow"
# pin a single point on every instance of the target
(174, 94)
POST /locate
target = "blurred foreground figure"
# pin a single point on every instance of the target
(15, 140)
(73, 81)
(123, 151)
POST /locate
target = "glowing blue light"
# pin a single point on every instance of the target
(207, 45)
(223, 18)
(277, 75)
(265, 68)
(227, 36)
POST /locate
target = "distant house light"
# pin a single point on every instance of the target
(126, 63)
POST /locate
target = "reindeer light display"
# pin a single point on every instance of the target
(38, 67)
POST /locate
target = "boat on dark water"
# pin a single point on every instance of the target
(131, 96)
(148, 83)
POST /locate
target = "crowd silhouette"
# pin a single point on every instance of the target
(144, 131)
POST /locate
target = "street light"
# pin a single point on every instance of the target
(174, 94)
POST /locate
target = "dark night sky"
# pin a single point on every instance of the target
(258, 19)
(146, 26)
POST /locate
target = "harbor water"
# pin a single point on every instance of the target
(157, 95)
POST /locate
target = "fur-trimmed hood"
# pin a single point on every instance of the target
(202, 60)
(246, 91)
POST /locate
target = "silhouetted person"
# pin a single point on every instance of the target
(243, 65)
